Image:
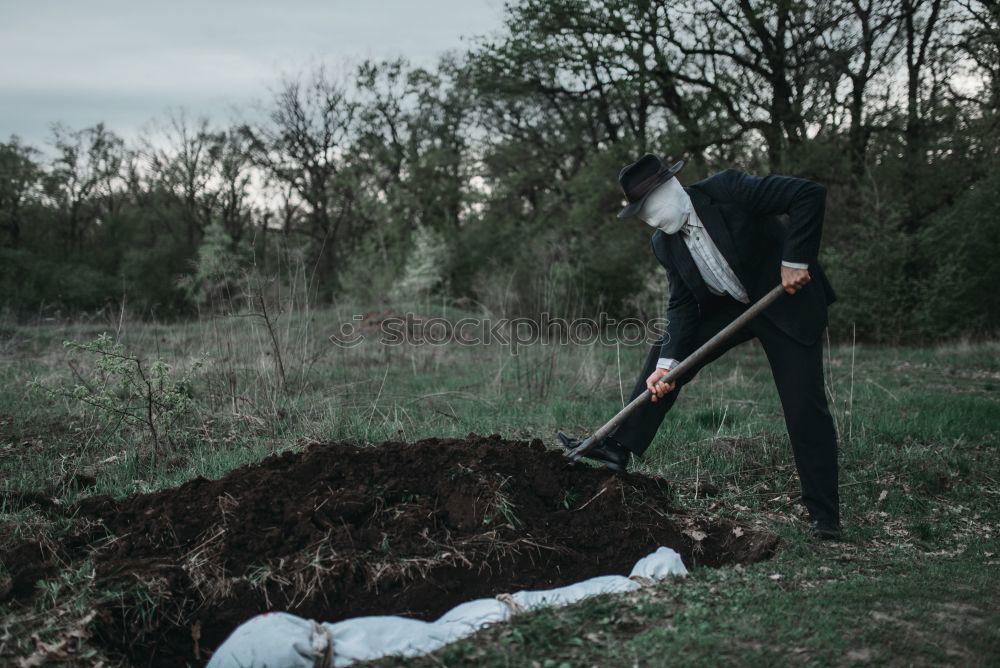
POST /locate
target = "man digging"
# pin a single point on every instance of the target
(723, 248)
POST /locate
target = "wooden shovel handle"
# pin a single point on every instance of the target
(689, 362)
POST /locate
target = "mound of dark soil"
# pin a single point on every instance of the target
(340, 531)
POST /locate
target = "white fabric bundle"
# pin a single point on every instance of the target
(282, 640)
(551, 598)
(660, 565)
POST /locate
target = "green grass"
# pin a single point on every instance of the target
(839, 613)
(914, 584)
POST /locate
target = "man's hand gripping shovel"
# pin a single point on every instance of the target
(688, 363)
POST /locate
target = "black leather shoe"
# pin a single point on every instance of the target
(610, 453)
(825, 531)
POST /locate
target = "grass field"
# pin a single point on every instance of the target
(914, 584)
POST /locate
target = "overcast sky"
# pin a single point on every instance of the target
(125, 63)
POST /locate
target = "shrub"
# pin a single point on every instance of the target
(145, 397)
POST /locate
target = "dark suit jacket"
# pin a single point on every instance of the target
(740, 213)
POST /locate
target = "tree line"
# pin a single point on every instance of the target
(491, 176)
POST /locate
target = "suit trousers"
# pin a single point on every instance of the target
(798, 376)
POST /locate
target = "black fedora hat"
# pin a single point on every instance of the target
(641, 178)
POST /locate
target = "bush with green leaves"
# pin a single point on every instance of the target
(218, 264)
(131, 396)
(425, 266)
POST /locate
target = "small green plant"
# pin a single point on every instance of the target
(71, 584)
(503, 507)
(129, 392)
(144, 604)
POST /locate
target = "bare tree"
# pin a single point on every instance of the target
(919, 20)
(88, 167)
(181, 171)
(233, 176)
(762, 62)
(303, 143)
(980, 41)
(860, 48)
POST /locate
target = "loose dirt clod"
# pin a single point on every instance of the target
(340, 531)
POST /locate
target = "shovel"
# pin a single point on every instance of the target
(689, 362)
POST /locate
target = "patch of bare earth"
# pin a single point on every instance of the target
(339, 531)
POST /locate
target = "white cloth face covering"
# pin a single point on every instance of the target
(666, 208)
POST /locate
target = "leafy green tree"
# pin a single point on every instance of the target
(20, 179)
(425, 266)
(217, 269)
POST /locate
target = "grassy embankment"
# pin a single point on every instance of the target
(915, 582)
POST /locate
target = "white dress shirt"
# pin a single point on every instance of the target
(718, 275)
